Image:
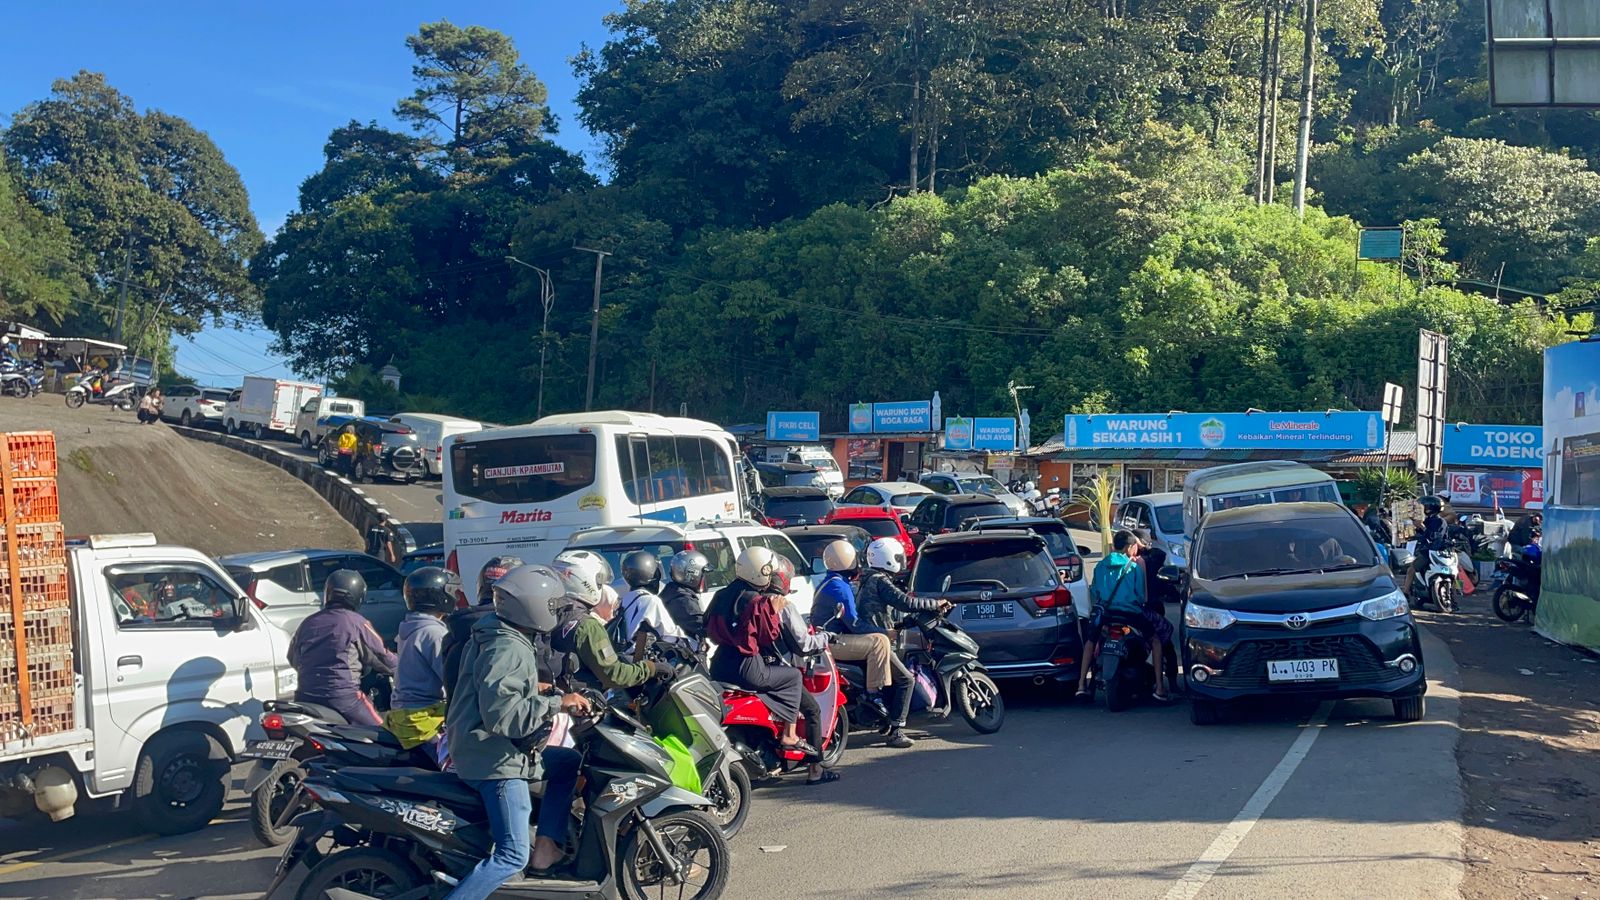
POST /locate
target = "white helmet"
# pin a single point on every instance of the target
(590, 558)
(581, 577)
(755, 566)
(887, 554)
(839, 556)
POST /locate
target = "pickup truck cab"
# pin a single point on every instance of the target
(171, 664)
(311, 422)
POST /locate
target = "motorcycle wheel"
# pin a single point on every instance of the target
(979, 702)
(1444, 596)
(732, 802)
(1507, 606)
(269, 804)
(1119, 695)
(692, 838)
(364, 870)
(838, 741)
(124, 403)
(74, 399)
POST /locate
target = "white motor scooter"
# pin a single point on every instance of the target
(120, 395)
(1439, 582)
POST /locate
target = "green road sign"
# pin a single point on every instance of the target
(1381, 243)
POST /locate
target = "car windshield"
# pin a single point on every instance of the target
(959, 514)
(907, 501)
(1282, 546)
(825, 463)
(997, 565)
(981, 484)
(878, 527)
(1056, 540)
(219, 396)
(813, 508)
(535, 469)
(812, 545)
(1170, 518)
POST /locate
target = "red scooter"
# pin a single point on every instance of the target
(757, 736)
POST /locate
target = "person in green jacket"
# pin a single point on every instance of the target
(497, 710)
(581, 630)
(1119, 586)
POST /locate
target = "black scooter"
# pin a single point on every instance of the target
(1516, 592)
(408, 834)
(1125, 671)
(930, 641)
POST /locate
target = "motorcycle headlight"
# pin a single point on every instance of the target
(1206, 618)
(1388, 606)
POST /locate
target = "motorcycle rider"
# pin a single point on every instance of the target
(418, 707)
(686, 574)
(1120, 586)
(334, 646)
(1522, 533)
(744, 623)
(1431, 537)
(877, 593)
(499, 712)
(801, 642)
(459, 624)
(835, 611)
(641, 611)
(580, 631)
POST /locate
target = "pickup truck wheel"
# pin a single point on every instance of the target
(305, 440)
(180, 783)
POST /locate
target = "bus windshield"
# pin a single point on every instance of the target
(532, 469)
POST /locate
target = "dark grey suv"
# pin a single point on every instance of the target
(1008, 596)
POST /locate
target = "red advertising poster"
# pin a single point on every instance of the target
(1506, 488)
(1533, 488)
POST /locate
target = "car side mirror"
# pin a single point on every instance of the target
(1170, 574)
(1083, 550)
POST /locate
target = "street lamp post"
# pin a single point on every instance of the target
(547, 299)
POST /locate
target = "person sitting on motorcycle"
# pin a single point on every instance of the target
(745, 625)
(877, 594)
(642, 612)
(417, 708)
(1119, 588)
(459, 624)
(835, 611)
(498, 716)
(800, 642)
(1522, 533)
(333, 647)
(1431, 537)
(686, 578)
(581, 633)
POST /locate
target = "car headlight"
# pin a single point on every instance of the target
(1388, 606)
(1206, 618)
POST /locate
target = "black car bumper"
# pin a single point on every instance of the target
(1371, 657)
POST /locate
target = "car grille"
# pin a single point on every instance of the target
(1246, 667)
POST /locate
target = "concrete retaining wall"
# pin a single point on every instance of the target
(386, 537)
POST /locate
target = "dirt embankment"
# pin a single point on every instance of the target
(118, 476)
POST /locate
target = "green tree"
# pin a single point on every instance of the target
(39, 265)
(149, 187)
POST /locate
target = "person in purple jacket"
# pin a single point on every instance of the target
(335, 646)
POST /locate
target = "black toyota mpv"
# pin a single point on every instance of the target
(1292, 599)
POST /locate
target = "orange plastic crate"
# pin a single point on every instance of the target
(33, 454)
(41, 628)
(44, 587)
(42, 544)
(34, 501)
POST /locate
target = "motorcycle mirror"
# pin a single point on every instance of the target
(1171, 574)
(945, 588)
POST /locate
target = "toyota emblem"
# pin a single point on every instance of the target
(985, 595)
(1297, 621)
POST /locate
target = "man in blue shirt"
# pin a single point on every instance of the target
(1119, 587)
(834, 610)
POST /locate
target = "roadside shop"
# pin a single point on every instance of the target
(1493, 466)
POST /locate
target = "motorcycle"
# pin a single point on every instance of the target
(21, 379)
(1439, 582)
(1125, 670)
(689, 709)
(411, 833)
(1517, 588)
(123, 395)
(930, 643)
(298, 733)
(757, 736)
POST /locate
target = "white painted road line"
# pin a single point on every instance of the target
(1200, 873)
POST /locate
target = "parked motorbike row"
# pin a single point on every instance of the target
(1439, 582)
(667, 778)
(21, 379)
(95, 389)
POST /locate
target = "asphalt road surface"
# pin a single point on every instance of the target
(1304, 800)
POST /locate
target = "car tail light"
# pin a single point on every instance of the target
(771, 522)
(250, 591)
(272, 724)
(1060, 598)
(1071, 568)
(453, 565)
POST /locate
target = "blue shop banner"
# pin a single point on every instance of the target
(1510, 446)
(1227, 431)
(914, 415)
(794, 426)
(994, 434)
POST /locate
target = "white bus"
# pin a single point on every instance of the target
(523, 491)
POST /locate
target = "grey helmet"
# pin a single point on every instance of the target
(527, 597)
(688, 568)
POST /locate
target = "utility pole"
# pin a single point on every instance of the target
(122, 299)
(547, 299)
(594, 319)
(1308, 79)
(1014, 390)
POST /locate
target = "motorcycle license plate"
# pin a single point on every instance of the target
(1113, 648)
(1001, 610)
(269, 749)
(1303, 670)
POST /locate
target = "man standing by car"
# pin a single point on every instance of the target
(346, 446)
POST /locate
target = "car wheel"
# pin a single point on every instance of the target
(1410, 709)
(1205, 712)
(185, 419)
(305, 440)
(180, 783)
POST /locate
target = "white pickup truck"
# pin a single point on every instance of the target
(312, 421)
(267, 405)
(172, 665)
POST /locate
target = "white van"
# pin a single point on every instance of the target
(1252, 483)
(432, 432)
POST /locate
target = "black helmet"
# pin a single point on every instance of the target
(641, 569)
(431, 589)
(492, 570)
(1431, 504)
(344, 588)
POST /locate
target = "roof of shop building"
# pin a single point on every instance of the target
(1402, 445)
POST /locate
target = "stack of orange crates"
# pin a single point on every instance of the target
(37, 681)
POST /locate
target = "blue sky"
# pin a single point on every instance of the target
(269, 81)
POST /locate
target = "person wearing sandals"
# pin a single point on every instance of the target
(800, 643)
(1119, 586)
